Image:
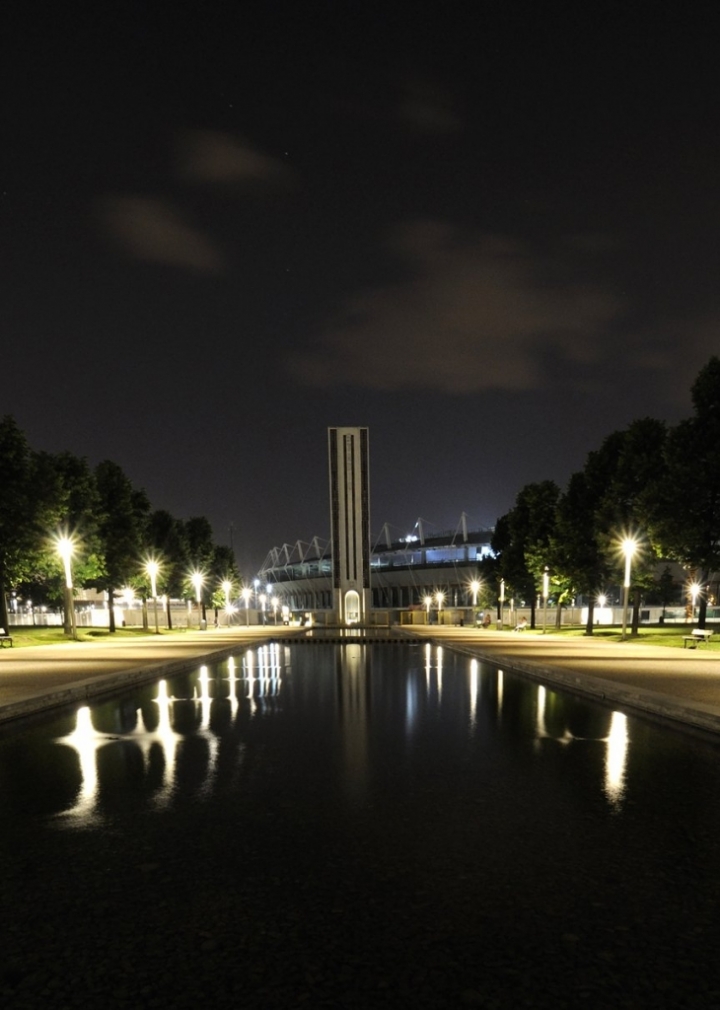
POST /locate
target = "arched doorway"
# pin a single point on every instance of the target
(352, 607)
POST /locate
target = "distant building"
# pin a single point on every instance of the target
(349, 472)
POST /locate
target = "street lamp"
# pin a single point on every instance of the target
(152, 568)
(474, 589)
(263, 601)
(427, 600)
(502, 603)
(66, 549)
(274, 602)
(546, 593)
(246, 594)
(197, 580)
(439, 597)
(695, 590)
(601, 601)
(628, 546)
(226, 588)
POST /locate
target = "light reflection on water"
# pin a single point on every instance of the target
(347, 692)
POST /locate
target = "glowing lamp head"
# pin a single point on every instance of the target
(629, 546)
(65, 546)
(197, 580)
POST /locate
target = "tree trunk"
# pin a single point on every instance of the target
(169, 615)
(558, 616)
(3, 602)
(635, 626)
(111, 609)
(145, 623)
(703, 600)
(589, 627)
(702, 610)
(533, 610)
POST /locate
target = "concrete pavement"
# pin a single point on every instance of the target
(681, 687)
(47, 676)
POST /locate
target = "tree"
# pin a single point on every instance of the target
(576, 547)
(522, 540)
(687, 502)
(24, 510)
(166, 542)
(72, 505)
(122, 517)
(199, 539)
(665, 589)
(222, 569)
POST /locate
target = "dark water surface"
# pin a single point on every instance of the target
(357, 826)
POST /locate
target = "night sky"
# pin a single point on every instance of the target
(493, 239)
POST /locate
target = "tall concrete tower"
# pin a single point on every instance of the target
(349, 466)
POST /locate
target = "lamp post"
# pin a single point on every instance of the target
(263, 601)
(546, 593)
(246, 594)
(629, 546)
(502, 603)
(152, 568)
(427, 600)
(601, 600)
(439, 597)
(226, 588)
(66, 549)
(275, 602)
(694, 593)
(475, 589)
(197, 580)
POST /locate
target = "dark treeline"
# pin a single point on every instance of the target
(657, 484)
(114, 530)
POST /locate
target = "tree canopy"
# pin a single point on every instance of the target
(109, 520)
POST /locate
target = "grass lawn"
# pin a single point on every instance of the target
(667, 635)
(23, 637)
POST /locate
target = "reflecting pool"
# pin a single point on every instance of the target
(357, 825)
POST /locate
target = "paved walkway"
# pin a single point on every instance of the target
(45, 676)
(675, 685)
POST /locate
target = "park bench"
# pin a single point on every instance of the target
(698, 635)
(4, 638)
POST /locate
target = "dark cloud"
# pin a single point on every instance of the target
(472, 315)
(152, 230)
(427, 109)
(215, 157)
